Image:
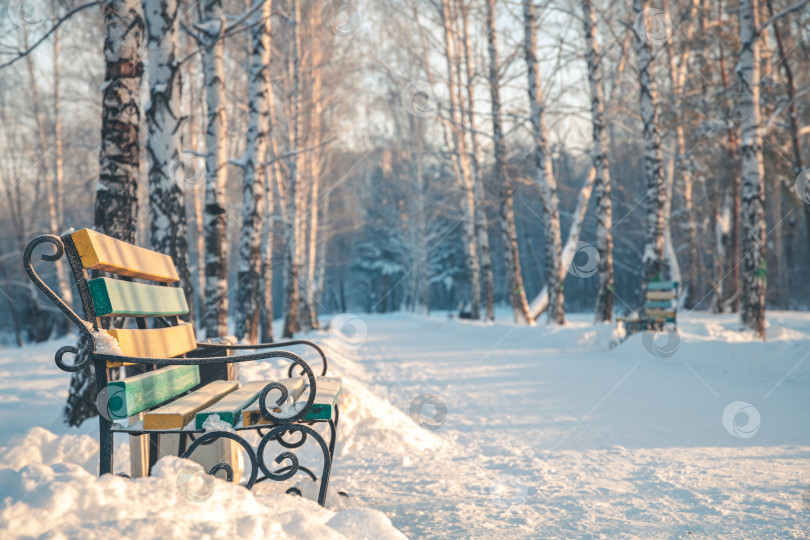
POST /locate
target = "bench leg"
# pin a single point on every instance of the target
(105, 439)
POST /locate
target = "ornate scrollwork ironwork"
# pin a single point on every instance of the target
(211, 435)
(29, 269)
(284, 420)
(290, 470)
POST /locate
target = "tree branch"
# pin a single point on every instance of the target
(65, 17)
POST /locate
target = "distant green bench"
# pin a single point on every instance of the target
(660, 309)
(171, 397)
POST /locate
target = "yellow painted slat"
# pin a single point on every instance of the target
(102, 252)
(661, 295)
(179, 413)
(154, 342)
(659, 314)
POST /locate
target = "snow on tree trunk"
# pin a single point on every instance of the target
(216, 244)
(481, 227)
(458, 148)
(517, 295)
(544, 173)
(655, 195)
(604, 208)
(292, 219)
(248, 292)
(116, 206)
(752, 300)
(167, 208)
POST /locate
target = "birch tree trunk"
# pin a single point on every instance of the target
(216, 245)
(458, 149)
(604, 208)
(752, 300)
(253, 188)
(167, 208)
(517, 295)
(292, 260)
(655, 196)
(116, 206)
(544, 174)
(272, 178)
(481, 226)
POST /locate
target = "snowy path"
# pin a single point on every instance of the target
(549, 434)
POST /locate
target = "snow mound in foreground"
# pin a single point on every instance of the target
(65, 501)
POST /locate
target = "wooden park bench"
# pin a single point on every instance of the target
(660, 309)
(171, 397)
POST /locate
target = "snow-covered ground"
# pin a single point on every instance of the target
(468, 430)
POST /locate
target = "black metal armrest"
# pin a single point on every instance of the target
(270, 346)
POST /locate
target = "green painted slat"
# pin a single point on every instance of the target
(662, 285)
(658, 304)
(114, 297)
(136, 394)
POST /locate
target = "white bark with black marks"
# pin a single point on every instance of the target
(655, 193)
(248, 292)
(752, 299)
(517, 295)
(167, 209)
(544, 173)
(216, 244)
(599, 156)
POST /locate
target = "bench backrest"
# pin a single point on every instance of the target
(156, 294)
(661, 300)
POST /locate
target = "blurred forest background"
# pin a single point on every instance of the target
(372, 156)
